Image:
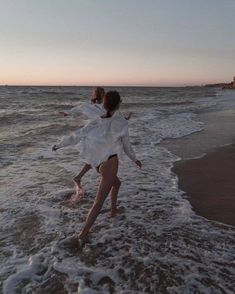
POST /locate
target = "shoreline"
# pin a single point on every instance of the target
(209, 183)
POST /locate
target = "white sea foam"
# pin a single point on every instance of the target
(25, 274)
(178, 125)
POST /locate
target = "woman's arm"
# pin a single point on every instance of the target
(129, 150)
(127, 147)
(72, 112)
(71, 139)
(64, 113)
(87, 109)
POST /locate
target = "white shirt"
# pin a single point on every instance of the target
(101, 138)
(91, 110)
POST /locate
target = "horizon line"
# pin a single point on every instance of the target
(119, 86)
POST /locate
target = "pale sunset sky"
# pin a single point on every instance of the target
(117, 42)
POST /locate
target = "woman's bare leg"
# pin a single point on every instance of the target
(77, 179)
(113, 195)
(108, 172)
(79, 192)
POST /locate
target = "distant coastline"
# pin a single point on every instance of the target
(230, 85)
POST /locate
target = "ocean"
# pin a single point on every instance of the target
(156, 245)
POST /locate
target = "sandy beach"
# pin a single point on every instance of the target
(209, 184)
(206, 169)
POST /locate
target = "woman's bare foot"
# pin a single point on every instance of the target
(70, 242)
(74, 199)
(115, 211)
(79, 192)
(74, 242)
(77, 182)
(82, 238)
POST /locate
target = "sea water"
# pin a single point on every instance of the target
(156, 245)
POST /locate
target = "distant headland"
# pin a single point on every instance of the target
(230, 85)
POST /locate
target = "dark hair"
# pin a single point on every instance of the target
(99, 94)
(111, 101)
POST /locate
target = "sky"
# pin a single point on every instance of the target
(117, 42)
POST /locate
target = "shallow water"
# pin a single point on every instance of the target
(155, 245)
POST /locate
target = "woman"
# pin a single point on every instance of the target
(91, 110)
(102, 141)
(97, 98)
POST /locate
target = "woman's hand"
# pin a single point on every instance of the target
(63, 113)
(129, 115)
(54, 148)
(138, 163)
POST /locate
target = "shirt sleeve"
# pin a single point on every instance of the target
(91, 111)
(75, 110)
(71, 139)
(127, 147)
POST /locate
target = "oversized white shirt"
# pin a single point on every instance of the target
(91, 110)
(101, 138)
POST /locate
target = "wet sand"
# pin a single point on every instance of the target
(209, 182)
